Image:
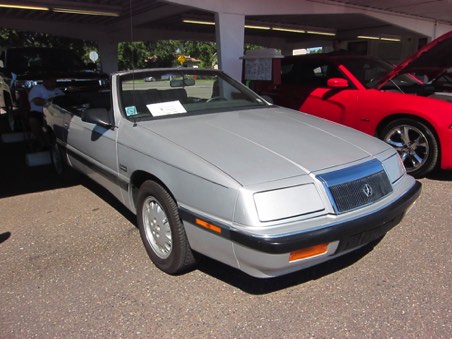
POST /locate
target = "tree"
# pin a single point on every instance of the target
(11, 38)
(164, 53)
(204, 51)
(131, 55)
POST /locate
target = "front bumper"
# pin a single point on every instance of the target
(350, 233)
(268, 255)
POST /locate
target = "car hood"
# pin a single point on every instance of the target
(435, 57)
(268, 144)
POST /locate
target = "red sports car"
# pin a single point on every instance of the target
(400, 105)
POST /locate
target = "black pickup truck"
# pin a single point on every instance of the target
(28, 66)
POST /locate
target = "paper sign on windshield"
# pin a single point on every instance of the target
(166, 108)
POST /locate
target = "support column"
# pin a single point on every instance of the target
(108, 52)
(230, 36)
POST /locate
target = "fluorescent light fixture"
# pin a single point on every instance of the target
(211, 23)
(84, 12)
(377, 38)
(257, 27)
(199, 22)
(288, 30)
(390, 39)
(321, 33)
(368, 37)
(36, 8)
(266, 28)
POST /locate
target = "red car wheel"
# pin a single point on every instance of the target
(416, 144)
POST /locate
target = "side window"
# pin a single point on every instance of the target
(332, 71)
(305, 73)
(287, 73)
(77, 103)
(372, 72)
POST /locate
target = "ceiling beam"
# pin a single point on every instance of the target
(148, 17)
(76, 31)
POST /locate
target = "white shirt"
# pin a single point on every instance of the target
(40, 91)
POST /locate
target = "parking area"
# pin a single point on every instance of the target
(73, 265)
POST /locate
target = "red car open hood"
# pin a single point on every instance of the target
(433, 58)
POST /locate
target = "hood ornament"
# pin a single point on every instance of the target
(367, 190)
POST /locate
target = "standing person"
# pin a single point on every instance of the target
(38, 97)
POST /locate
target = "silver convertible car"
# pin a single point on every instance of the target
(210, 167)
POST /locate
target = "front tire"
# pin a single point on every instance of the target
(162, 231)
(416, 144)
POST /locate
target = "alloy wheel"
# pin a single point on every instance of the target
(157, 228)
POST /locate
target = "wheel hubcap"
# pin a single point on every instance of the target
(411, 144)
(157, 228)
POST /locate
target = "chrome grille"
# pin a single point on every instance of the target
(357, 186)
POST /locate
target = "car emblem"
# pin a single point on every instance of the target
(367, 190)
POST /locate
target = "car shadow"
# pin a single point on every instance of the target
(16, 178)
(258, 286)
(106, 196)
(440, 175)
(233, 276)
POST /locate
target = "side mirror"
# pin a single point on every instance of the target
(98, 116)
(337, 83)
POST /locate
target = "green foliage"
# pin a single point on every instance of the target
(164, 53)
(204, 51)
(149, 54)
(131, 55)
(12, 38)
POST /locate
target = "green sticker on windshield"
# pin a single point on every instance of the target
(131, 110)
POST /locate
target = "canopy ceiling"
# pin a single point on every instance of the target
(156, 19)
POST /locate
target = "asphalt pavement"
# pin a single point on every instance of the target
(72, 265)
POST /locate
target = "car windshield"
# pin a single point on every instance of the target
(172, 93)
(21, 60)
(371, 71)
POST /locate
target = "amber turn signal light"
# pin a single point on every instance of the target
(308, 252)
(207, 225)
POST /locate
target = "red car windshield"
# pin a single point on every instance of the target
(370, 71)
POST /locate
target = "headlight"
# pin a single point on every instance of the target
(394, 168)
(287, 202)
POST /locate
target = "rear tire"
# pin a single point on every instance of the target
(416, 144)
(162, 231)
